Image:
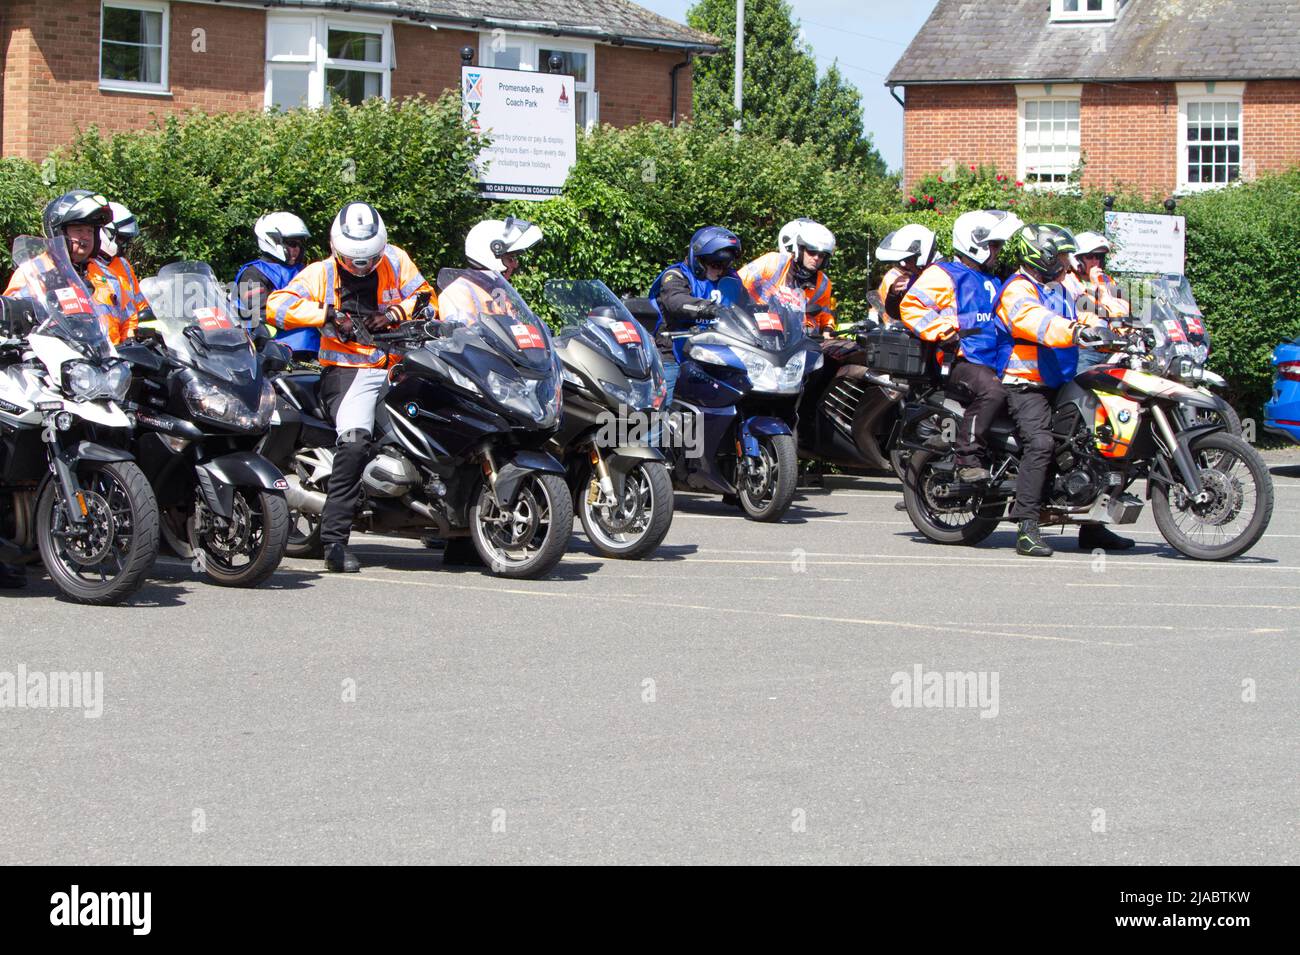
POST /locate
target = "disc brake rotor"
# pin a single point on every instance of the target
(91, 542)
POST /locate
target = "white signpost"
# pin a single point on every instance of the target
(1146, 243)
(530, 119)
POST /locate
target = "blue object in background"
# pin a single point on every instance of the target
(1282, 412)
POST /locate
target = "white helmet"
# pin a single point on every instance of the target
(807, 233)
(973, 231)
(493, 238)
(911, 241)
(272, 229)
(122, 230)
(1091, 242)
(358, 238)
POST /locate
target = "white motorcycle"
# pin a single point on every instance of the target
(85, 506)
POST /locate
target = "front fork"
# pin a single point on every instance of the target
(64, 472)
(602, 486)
(1181, 454)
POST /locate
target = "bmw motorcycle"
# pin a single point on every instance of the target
(201, 404)
(460, 435)
(1114, 424)
(613, 391)
(86, 506)
(735, 401)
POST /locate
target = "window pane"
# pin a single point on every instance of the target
(574, 64)
(119, 62)
(580, 109)
(1193, 173)
(1094, 6)
(355, 45)
(289, 87)
(354, 86)
(291, 38)
(1070, 6)
(132, 26)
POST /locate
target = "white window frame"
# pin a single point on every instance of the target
(130, 86)
(1109, 11)
(1044, 92)
(1211, 93)
(317, 61)
(531, 45)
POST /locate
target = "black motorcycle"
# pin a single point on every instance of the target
(613, 389)
(64, 488)
(202, 404)
(460, 435)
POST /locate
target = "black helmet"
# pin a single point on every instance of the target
(78, 206)
(1038, 249)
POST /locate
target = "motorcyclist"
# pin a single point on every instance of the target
(76, 218)
(281, 237)
(688, 292)
(115, 241)
(365, 287)
(493, 246)
(959, 296)
(1039, 314)
(805, 251)
(911, 250)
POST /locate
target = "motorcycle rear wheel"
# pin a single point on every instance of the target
(966, 527)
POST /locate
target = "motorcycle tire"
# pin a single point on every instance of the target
(554, 508)
(969, 532)
(778, 452)
(267, 513)
(653, 481)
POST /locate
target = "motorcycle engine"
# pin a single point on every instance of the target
(1078, 481)
(390, 475)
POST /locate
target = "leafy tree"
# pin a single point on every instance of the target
(783, 96)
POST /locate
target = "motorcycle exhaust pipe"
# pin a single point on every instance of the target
(302, 500)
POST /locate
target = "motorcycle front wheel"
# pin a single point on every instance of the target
(527, 539)
(637, 524)
(1233, 510)
(244, 550)
(766, 486)
(108, 557)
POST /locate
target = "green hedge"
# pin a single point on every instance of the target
(630, 204)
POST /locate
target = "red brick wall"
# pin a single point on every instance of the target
(966, 125)
(51, 72)
(1270, 125)
(635, 86)
(1129, 136)
(428, 61)
(1128, 132)
(54, 88)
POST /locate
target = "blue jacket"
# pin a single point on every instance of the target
(977, 297)
(280, 275)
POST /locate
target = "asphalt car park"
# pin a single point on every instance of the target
(755, 693)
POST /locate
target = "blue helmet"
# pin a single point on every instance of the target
(715, 245)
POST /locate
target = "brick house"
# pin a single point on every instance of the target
(1166, 97)
(119, 63)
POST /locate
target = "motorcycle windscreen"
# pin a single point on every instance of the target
(772, 326)
(62, 305)
(198, 322)
(587, 308)
(486, 303)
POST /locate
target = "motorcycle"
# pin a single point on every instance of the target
(201, 404)
(738, 390)
(459, 435)
(1211, 493)
(613, 385)
(86, 506)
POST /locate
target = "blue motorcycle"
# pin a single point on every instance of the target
(734, 405)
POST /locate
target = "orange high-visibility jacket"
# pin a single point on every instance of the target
(1031, 323)
(929, 308)
(133, 299)
(464, 301)
(302, 304)
(768, 272)
(106, 293)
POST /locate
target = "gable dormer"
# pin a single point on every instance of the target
(1081, 11)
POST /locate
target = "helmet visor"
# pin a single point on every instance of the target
(359, 265)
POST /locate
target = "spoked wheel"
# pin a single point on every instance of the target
(529, 538)
(637, 524)
(942, 517)
(107, 557)
(1233, 509)
(245, 549)
(767, 483)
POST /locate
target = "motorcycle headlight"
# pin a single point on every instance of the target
(88, 382)
(762, 373)
(638, 396)
(572, 378)
(207, 400)
(463, 381)
(519, 396)
(265, 407)
(792, 374)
